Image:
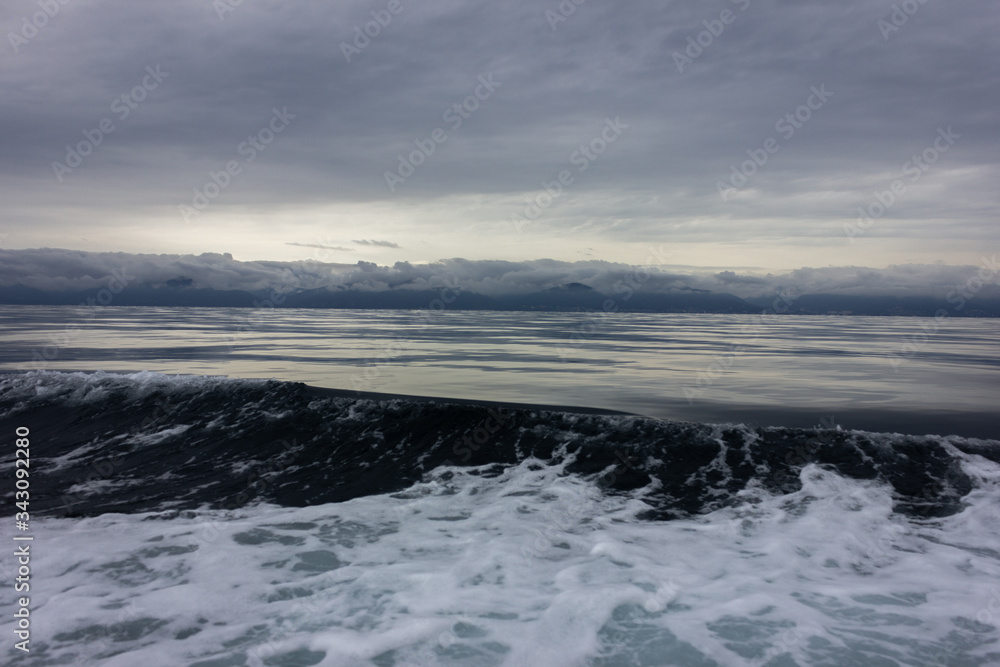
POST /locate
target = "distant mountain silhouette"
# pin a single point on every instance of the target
(571, 297)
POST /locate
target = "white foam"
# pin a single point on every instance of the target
(532, 567)
(90, 387)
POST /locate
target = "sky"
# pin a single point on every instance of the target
(743, 135)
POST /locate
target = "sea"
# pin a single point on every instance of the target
(216, 487)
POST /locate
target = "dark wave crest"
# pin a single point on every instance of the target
(131, 443)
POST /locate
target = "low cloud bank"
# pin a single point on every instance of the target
(51, 270)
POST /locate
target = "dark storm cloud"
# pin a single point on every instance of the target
(555, 83)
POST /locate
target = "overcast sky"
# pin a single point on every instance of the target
(326, 111)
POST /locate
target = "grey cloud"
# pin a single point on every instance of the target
(373, 242)
(54, 269)
(320, 245)
(354, 120)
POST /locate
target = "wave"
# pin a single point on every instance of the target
(252, 522)
(151, 442)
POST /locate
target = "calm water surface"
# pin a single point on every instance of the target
(880, 373)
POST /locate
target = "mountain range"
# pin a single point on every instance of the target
(571, 297)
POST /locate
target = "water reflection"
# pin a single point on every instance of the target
(665, 365)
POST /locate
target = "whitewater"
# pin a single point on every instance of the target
(211, 521)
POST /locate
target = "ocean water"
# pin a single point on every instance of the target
(183, 515)
(912, 375)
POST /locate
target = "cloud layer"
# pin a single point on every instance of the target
(63, 270)
(277, 125)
